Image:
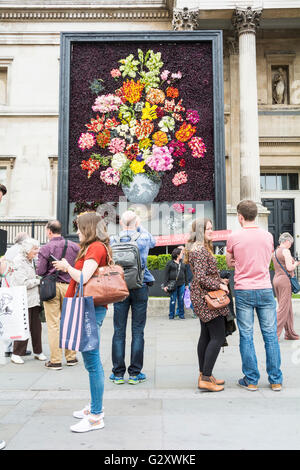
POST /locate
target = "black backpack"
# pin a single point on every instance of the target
(127, 255)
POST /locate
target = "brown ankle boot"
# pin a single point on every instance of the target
(209, 385)
(217, 382)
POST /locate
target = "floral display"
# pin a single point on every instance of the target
(186, 66)
(143, 126)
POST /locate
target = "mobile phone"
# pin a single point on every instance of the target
(52, 258)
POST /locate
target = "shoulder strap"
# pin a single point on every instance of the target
(281, 265)
(178, 271)
(65, 249)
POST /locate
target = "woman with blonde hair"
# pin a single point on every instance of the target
(206, 277)
(94, 249)
(283, 264)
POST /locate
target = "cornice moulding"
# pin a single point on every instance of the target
(83, 13)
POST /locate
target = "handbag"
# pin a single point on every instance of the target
(216, 299)
(107, 285)
(78, 325)
(14, 324)
(294, 281)
(48, 283)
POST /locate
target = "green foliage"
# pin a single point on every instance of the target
(126, 175)
(96, 87)
(105, 161)
(152, 262)
(160, 261)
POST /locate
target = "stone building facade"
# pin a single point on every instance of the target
(261, 95)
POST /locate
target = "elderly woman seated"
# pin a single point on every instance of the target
(24, 275)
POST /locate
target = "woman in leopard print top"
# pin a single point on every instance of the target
(206, 277)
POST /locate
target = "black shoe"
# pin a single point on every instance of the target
(8, 353)
(28, 353)
(74, 362)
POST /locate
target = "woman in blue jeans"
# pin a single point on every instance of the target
(94, 246)
(175, 270)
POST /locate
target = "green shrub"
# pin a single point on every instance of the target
(163, 260)
(152, 262)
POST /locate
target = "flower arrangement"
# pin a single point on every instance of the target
(143, 127)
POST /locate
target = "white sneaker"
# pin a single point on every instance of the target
(40, 357)
(85, 412)
(2, 444)
(16, 359)
(87, 424)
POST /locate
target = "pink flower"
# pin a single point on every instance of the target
(192, 116)
(177, 75)
(198, 147)
(161, 159)
(86, 141)
(179, 208)
(115, 73)
(191, 210)
(106, 103)
(117, 145)
(180, 178)
(164, 75)
(110, 176)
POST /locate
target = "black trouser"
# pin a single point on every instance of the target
(35, 327)
(211, 339)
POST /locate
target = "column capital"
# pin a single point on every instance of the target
(246, 20)
(232, 45)
(185, 19)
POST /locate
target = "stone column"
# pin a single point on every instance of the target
(246, 21)
(185, 19)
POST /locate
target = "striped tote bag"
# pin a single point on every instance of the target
(78, 326)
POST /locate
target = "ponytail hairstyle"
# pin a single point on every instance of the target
(197, 238)
(93, 229)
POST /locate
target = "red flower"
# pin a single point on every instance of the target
(182, 162)
(103, 138)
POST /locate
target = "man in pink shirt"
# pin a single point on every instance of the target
(249, 251)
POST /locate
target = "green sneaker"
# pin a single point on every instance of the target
(117, 380)
(136, 379)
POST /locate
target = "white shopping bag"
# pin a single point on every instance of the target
(13, 313)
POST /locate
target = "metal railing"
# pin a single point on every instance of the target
(34, 228)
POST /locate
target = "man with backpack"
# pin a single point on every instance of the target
(130, 250)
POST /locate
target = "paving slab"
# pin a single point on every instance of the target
(165, 412)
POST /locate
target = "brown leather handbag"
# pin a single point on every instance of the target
(216, 299)
(107, 285)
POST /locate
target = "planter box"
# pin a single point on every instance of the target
(156, 290)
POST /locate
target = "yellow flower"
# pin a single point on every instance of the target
(137, 167)
(148, 112)
(160, 138)
(145, 143)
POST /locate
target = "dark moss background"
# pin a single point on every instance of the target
(95, 60)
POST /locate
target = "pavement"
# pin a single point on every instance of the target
(165, 412)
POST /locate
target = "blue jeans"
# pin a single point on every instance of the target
(178, 294)
(263, 301)
(93, 365)
(137, 300)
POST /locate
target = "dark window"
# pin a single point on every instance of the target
(279, 181)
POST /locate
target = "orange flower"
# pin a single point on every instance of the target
(185, 132)
(133, 90)
(144, 129)
(172, 92)
(155, 96)
(160, 138)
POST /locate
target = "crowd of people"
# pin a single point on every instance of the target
(193, 267)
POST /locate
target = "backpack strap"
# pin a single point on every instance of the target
(289, 276)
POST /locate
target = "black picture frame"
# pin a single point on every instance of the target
(67, 41)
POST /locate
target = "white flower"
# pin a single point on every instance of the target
(118, 161)
(167, 124)
(122, 130)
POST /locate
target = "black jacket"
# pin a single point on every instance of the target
(171, 271)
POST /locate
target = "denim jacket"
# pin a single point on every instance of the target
(144, 242)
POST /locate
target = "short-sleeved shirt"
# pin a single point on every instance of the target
(95, 251)
(252, 249)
